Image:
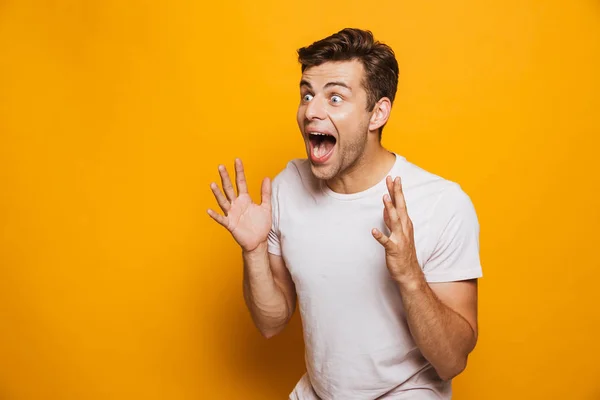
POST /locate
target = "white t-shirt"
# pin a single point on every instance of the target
(358, 345)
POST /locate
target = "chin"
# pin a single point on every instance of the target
(323, 172)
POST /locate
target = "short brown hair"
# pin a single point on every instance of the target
(378, 60)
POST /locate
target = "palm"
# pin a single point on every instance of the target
(249, 223)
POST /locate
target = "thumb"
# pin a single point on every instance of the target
(266, 192)
(383, 239)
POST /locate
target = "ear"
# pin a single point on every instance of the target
(381, 114)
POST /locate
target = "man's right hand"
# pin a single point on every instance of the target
(248, 223)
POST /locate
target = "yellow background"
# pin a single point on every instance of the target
(115, 283)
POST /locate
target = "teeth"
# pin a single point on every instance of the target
(319, 134)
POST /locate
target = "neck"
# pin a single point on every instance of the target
(368, 170)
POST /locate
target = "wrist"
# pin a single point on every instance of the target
(259, 250)
(409, 281)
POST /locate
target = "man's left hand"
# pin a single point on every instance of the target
(400, 252)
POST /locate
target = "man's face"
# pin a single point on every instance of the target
(333, 116)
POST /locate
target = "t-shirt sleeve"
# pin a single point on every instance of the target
(274, 243)
(455, 229)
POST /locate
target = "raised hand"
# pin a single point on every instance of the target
(249, 223)
(401, 255)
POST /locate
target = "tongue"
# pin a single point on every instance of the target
(323, 148)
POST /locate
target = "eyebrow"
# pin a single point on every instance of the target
(342, 84)
(306, 83)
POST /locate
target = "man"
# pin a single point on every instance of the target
(382, 255)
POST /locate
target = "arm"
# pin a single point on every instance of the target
(269, 291)
(442, 317)
(268, 288)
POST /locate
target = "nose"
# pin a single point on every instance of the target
(315, 109)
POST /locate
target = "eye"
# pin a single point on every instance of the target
(336, 99)
(307, 97)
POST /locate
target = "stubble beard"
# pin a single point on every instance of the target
(348, 155)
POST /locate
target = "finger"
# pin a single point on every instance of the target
(386, 219)
(399, 194)
(221, 199)
(395, 225)
(240, 177)
(219, 218)
(226, 183)
(266, 192)
(390, 185)
(400, 201)
(381, 238)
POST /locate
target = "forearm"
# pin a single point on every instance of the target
(444, 337)
(264, 298)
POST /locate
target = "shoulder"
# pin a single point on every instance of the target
(295, 175)
(420, 179)
(454, 202)
(445, 197)
(293, 188)
(290, 172)
(454, 208)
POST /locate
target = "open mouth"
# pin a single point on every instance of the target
(321, 146)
